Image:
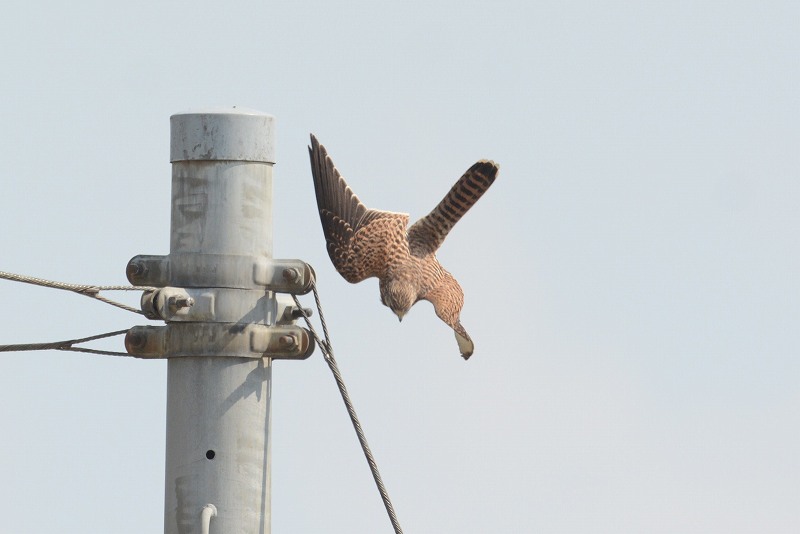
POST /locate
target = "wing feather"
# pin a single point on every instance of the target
(356, 236)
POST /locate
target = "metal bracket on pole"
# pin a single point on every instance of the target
(216, 304)
(235, 340)
(215, 309)
(221, 270)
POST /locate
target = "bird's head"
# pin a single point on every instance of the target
(398, 296)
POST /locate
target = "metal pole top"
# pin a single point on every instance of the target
(228, 134)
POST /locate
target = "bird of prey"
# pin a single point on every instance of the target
(364, 242)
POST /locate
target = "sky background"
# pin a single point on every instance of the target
(630, 278)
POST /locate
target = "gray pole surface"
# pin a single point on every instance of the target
(218, 408)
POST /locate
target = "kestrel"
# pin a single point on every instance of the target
(364, 242)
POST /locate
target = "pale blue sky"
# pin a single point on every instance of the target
(631, 278)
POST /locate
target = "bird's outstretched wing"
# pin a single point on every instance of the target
(357, 237)
(427, 234)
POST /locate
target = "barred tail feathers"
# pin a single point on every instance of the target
(427, 234)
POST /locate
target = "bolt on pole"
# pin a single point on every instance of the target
(225, 322)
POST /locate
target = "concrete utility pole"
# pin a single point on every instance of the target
(224, 323)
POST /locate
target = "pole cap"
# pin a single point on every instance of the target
(229, 134)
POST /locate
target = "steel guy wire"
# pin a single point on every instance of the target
(68, 345)
(82, 289)
(327, 351)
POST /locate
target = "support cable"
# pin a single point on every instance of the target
(87, 290)
(68, 345)
(327, 352)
